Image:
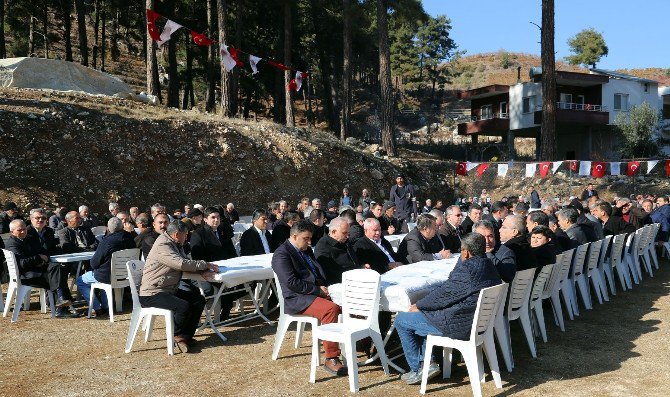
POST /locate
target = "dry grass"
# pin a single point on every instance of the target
(618, 349)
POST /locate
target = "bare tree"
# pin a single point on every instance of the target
(290, 121)
(548, 126)
(222, 9)
(153, 83)
(80, 8)
(3, 51)
(345, 121)
(385, 85)
(210, 101)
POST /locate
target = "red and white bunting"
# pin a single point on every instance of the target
(227, 60)
(169, 28)
(253, 63)
(152, 16)
(650, 165)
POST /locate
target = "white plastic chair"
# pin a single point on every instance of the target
(631, 260)
(604, 265)
(17, 292)
(134, 269)
(410, 226)
(481, 336)
(560, 286)
(536, 297)
(597, 280)
(99, 230)
(517, 309)
(651, 248)
(647, 242)
(119, 281)
(360, 312)
(285, 321)
(618, 263)
(578, 279)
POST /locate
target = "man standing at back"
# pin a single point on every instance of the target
(404, 198)
(535, 201)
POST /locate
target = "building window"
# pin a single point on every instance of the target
(621, 102)
(486, 112)
(566, 101)
(528, 104)
(646, 87)
(503, 110)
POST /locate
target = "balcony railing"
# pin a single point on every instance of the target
(587, 107)
(489, 117)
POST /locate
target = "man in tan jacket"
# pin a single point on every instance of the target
(160, 280)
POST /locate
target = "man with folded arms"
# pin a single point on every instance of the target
(303, 284)
(117, 239)
(35, 269)
(160, 280)
(449, 309)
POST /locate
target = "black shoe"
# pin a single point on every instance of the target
(62, 313)
(60, 302)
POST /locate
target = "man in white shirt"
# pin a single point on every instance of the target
(257, 240)
(375, 251)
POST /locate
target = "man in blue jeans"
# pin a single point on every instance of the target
(449, 309)
(116, 240)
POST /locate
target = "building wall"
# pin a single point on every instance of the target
(636, 95)
(517, 92)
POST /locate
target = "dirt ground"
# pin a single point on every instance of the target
(619, 348)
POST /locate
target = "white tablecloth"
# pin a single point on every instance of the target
(405, 285)
(242, 270)
(76, 257)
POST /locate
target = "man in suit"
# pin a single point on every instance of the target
(612, 225)
(146, 239)
(303, 284)
(317, 219)
(114, 209)
(257, 240)
(76, 238)
(335, 253)
(451, 231)
(513, 236)
(213, 242)
(404, 197)
(87, 220)
(423, 243)
(355, 229)
(10, 213)
(535, 201)
(35, 269)
(282, 228)
(117, 239)
(561, 239)
(502, 257)
(44, 234)
(447, 310)
(231, 213)
(474, 216)
(374, 250)
(567, 220)
(496, 217)
(589, 192)
(390, 225)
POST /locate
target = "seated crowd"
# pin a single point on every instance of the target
(312, 246)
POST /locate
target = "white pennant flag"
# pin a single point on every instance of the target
(555, 165)
(227, 60)
(650, 165)
(615, 168)
(253, 62)
(502, 169)
(170, 27)
(584, 168)
(470, 166)
(298, 80)
(530, 170)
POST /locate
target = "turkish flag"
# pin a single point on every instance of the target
(292, 85)
(544, 169)
(278, 65)
(152, 16)
(633, 167)
(481, 168)
(667, 167)
(235, 55)
(598, 170)
(574, 165)
(200, 39)
(462, 169)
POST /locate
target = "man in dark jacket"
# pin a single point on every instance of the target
(388, 222)
(513, 236)
(474, 216)
(502, 257)
(256, 240)
(335, 253)
(74, 237)
(355, 229)
(44, 234)
(567, 220)
(303, 284)
(374, 250)
(589, 192)
(146, 239)
(612, 225)
(117, 239)
(449, 309)
(404, 197)
(423, 243)
(561, 239)
(451, 231)
(282, 228)
(10, 213)
(35, 269)
(317, 219)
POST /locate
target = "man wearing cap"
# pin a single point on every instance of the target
(331, 212)
(404, 197)
(10, 213)
(388, 221)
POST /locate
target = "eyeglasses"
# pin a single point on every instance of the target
(41, 218)
(458, 215)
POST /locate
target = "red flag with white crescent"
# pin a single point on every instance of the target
(461, 169)
(152, 16)
(598, 170)
(667, 167)
(633, 167)
(574, 165)
(200, 39)
(481, 168)
(544, 169)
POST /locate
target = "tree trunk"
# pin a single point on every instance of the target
(210, 101)
(235, 83)
(153, 83)
(45, 31)
(288, 36)
(278, 110)
(114, 37)
(81, 29)
(222, 9)
(103, 39)
(96, 30)
(66, 9)
(31, 36)
(548, 127)
(173, 76)
(345, 121)
(188, 84)
(328, 81)
(3, 51)
(385, 85)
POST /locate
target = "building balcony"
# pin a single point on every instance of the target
(577, 113)
(488, 126)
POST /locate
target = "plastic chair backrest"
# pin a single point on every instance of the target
(240, 227)
(119, 275)
(578, 261)
(488, 303)
(520, 291)
(410, 226)
(135, 269)
(360, 297)
(604, 248)
(541, 281)
(617, 248)
(594, 254)
(280, 294)
(12, 267)
(99, 230)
